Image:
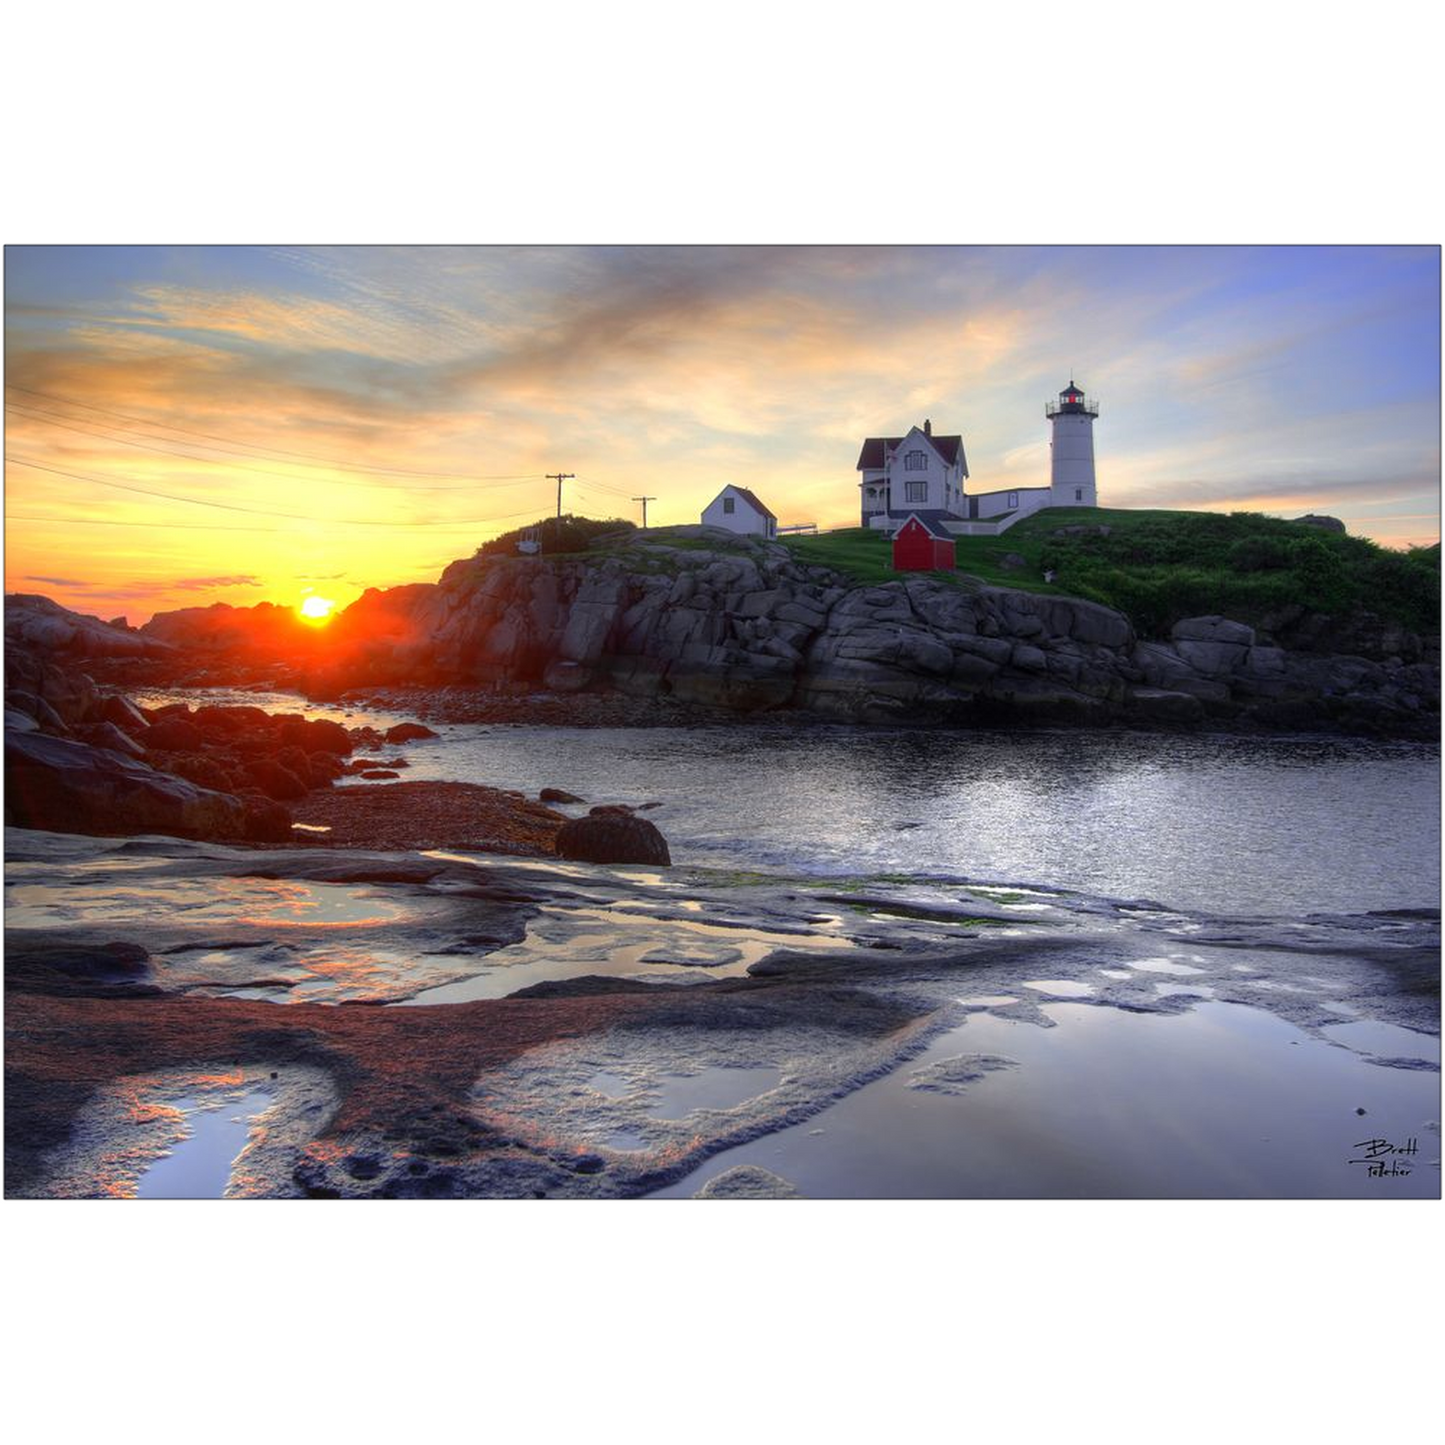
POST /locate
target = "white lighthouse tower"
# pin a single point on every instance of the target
(1072, 474)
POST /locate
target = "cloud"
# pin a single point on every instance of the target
(1229, 377)
(55, 581)
(210, 584)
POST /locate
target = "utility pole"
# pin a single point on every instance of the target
(644, 501)
(559, 478)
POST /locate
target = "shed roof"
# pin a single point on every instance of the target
(750, 498)
(929, 525)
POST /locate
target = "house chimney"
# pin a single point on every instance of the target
(927, 427)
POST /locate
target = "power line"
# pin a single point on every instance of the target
(644, 501)
(275, 451)
(258, 511)
(114, 522)
(51, 419)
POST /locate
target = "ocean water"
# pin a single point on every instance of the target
(1242, 1092)
(1271, 826)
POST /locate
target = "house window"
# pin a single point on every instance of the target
(917, 491)
(1078, 494)
(915, 462)
(730, 504)
(1013, 500)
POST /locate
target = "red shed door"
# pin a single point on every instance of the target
(913, 549)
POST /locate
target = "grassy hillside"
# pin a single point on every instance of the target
(1157, 567)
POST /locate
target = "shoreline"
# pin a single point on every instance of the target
(555, 1079)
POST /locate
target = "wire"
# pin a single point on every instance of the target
(275, 451)
(115, 522)
(258, 511)
(67, 425)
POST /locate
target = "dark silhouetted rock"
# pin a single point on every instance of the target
(559, 795)
(406, 732)
(1329, 524)
(107, 735)
(174, 735)
(68, 787)
(379, 774)
(274, 780)
(316, 735)
(612, 837)
(266, 821)
(124, 714)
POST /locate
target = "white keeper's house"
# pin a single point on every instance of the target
(925, 474)
(739, 510)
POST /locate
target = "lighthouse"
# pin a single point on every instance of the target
(1071, 480)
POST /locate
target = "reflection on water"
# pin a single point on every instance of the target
(720, 1087)
(1112, 1105)
(199, 1167)
(262, 901)
(1386, 1041)
(566, 943)
(1253, 825)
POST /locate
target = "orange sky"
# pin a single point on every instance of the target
(188, 425)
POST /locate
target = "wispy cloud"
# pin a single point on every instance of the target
(1293, 379)
(213, 584)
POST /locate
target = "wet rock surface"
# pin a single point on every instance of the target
(132, 965)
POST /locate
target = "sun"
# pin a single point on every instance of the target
(316, 610)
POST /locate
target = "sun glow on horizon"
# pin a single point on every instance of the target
(316, 610)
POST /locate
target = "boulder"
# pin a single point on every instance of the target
(406, 732)
(174, 735)
(124, 714)
(612, 837)
(561, 676)
(1212, 629)
(68, 787)
(277, 782)
(1159, 705)
(559, 795)
(321, 735)
(107, 735)
(266, 821)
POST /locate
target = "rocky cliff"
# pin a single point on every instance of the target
(747, 627)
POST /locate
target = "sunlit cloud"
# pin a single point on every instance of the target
(211, 584)
(374, 412)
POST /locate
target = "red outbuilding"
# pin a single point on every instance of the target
(922, 546)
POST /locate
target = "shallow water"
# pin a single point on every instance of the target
(199, 1167)
(1221, 1102)
(1255, 825)
(1247, 1097)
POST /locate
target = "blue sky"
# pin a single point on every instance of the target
(1278, 379)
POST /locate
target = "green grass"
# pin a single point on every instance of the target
(1157, 567)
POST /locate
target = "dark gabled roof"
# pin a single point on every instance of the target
(871, 457)
(752, 501)
(930, 523)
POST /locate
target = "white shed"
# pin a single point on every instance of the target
(739, 510)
